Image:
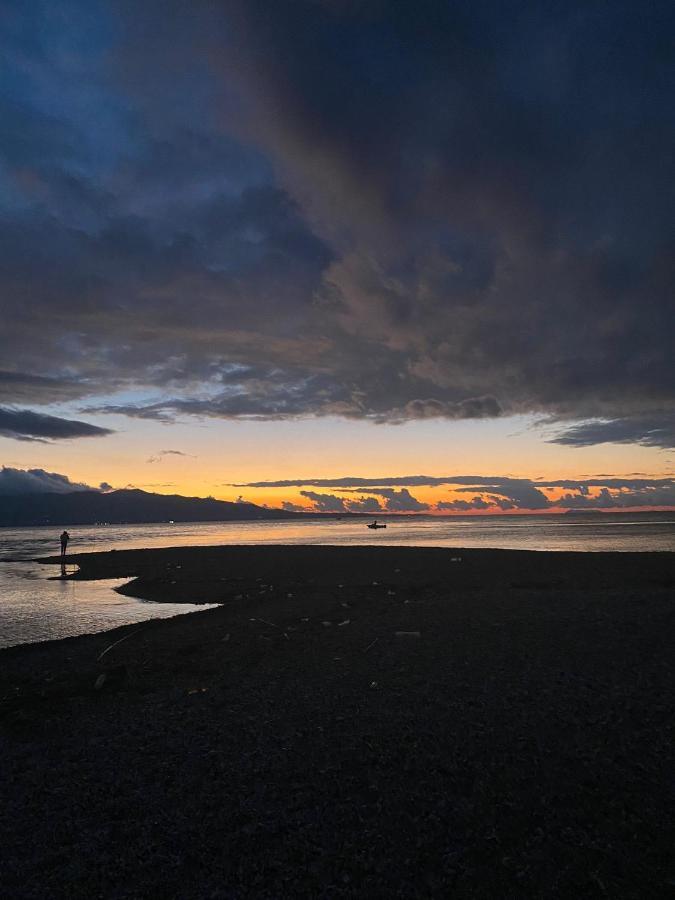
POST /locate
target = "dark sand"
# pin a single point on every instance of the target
(520, 746)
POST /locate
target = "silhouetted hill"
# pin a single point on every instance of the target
(134, 506)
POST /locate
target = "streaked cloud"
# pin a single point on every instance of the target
(649, 431)
(495, 493)
(25, 425)
(352, 482)
(159, 456)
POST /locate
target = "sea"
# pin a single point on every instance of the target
(35, 605)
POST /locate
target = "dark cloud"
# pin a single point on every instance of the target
(513, 493)
(23, 387)
(650, 431)
(276, 394)
(365, 505)
(358, 482)
(496, 492)
(396, 501)
(38, 481)
(388, 212)
(24, 425)
(292, 507)
(476, 502)
(348, 483)
(325, 502)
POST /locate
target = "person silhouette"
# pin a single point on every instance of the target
(65, 537)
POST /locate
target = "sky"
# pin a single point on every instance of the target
(340, 254)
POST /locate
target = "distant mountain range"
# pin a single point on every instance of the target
(127, 506)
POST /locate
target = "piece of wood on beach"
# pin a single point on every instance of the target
(125, 638)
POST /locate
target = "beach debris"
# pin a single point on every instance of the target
(239, 597)
(375, 583)
(289, 596)
(408, 634)
(371, 644)
(125, 638)
(346, 622)
(201, 690)
(326, 624)
(113, 678)
(391, 593)
(373, 685)
(305, 619)
(227, 637)
(340, 585)
(455, 559)
(265, 622)
(397, 570)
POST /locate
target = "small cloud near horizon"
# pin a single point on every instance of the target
(162, 453)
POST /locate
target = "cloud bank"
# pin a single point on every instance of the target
(38, 481)
(483, 493)
(389, 212)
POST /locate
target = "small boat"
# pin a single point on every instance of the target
(375, 525)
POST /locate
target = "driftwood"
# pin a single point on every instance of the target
(126, 637)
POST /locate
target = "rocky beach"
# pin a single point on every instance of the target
(352, 722)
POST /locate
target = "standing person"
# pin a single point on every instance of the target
(65, 537)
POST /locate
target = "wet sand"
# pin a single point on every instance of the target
(515, 741)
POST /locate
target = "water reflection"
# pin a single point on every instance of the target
(39, 603)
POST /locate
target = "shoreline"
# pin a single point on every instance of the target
(204, 574)
(351, 721)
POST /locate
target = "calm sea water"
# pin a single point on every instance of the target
(35, 608)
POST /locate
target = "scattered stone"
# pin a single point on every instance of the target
(111, 680)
